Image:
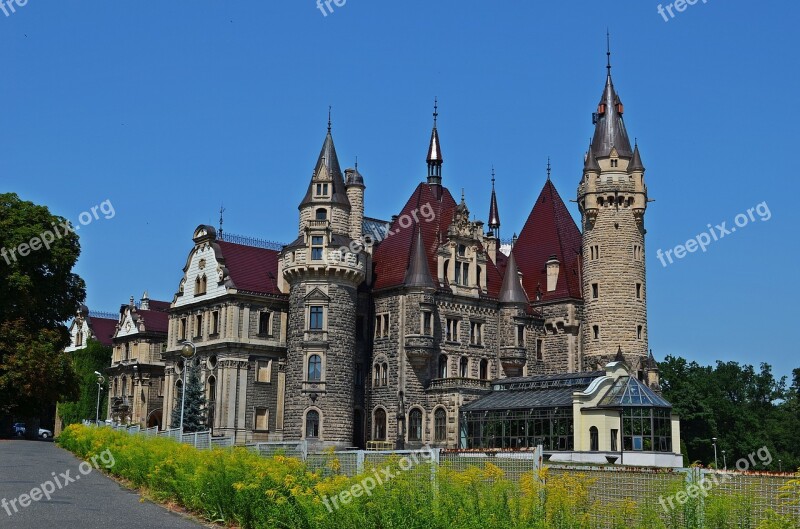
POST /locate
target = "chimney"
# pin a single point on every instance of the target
(553, 268)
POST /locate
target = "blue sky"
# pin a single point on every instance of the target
(169, 109)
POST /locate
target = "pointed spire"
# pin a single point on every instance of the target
(591, 164)
(435, 158)
(418, 273)
(328, 171)
(494, 212)
(636, 164)
(512, 291)
(609, 126)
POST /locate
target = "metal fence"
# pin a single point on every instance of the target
(199, 440)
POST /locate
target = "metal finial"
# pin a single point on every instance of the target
(462, 194)
(608, 50)
(221, 212)
(329, 117)
(492, 176)
(548, 168)
(435, 110)
(356, 163)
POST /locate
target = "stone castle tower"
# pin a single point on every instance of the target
(612, 198)
(323, 282)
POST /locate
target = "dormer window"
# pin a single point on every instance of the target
(462, 250)
(322, 190)
(614, 163)
(322, 214)
(200, 285)
(462, 274)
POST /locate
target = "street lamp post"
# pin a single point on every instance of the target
(187, 352)
(724, 461)
(780, 466)
(100, 381)
(716, 464)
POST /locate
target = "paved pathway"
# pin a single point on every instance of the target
(91, 502)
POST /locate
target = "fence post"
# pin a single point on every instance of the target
(195, 439)
(359, 461)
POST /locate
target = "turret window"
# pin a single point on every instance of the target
(520, 337)
(638, 291)
(639, 331)
(540, 349)
(596, 332)
(322, 190)
(595, 291)
(314, 368)
(322, 214)
(312, 424)
(427, 323)
(614, 163)
(315, 318)
(594, 252)
(316, 248)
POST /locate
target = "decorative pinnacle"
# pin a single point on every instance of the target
(329, 117)
(435, 110)
(608, 50)
(548, 168)
(492, 176)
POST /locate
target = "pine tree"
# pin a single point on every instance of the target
(194, 408)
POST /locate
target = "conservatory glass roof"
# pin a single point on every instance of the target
(628, 392)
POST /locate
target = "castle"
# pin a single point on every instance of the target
(359, 333)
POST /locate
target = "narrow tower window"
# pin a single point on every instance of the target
(596, 332)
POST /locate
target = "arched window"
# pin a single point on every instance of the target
(484, 370)
(415, 425)
(443, 366)
(380, 425)
(314, 368)
(200, 284)
(440, 425)
(376, 379)
(124, 386)
(447, 269)
(385, 375)
(322, 214)
(79, 339)
(463, 368)
(594, 439)
(478, 277)
(312, 424)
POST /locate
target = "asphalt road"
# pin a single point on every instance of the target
(91, 501)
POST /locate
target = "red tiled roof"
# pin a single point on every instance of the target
(550, 230)
(103, 329)
(393, 254)
(251, 269)
(154, 320)
(160, 306)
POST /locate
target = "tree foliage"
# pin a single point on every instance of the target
(34, 370)
(39, 288)
(194, 408)
(38, 293)
(94, 357)
(743, 407)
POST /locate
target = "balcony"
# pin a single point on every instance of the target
(513, 359)
(419, 349)
(121, 403)
(457, 383)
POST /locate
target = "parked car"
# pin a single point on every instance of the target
(19, 431)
